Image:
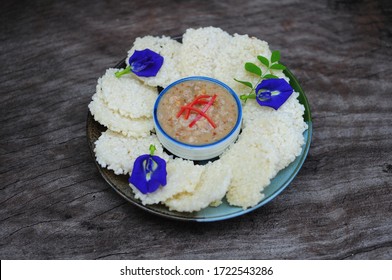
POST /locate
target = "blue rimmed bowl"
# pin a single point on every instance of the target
(190, 151)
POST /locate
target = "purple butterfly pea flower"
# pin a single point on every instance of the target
(148, 173)
(145, 63)
(273, 92)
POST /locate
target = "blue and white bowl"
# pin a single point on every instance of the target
(197, 152)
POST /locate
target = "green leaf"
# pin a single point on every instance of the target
(248, 84)
(253, 68)
(270, 76)
(275, 56)
(263, 60)
(278, 66)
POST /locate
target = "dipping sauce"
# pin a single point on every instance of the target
(197, 112)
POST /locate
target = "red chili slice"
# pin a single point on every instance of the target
(196, 103)
(205, 108)
(191, 104)
(202, 114)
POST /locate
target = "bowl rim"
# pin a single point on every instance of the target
(236, 127)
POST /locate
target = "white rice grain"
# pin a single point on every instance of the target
(127, 95)
(140, 127)
(284, 127)
(211, 188)
(253, 164)
(200, 49)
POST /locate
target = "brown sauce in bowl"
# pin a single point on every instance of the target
(197, 112)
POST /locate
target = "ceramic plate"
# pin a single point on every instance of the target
(120, 182)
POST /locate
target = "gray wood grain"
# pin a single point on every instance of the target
(55, 205)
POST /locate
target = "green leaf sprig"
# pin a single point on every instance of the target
(271, 64)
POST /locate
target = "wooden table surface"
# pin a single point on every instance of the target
(54, 203)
